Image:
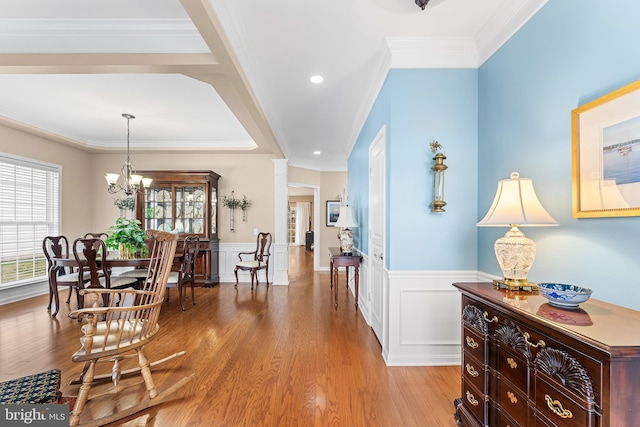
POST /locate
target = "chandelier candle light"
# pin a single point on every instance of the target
(127, 180)
(516, 204)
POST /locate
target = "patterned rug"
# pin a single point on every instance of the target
(43, 387)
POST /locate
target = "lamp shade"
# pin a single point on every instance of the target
(346, 218)
(516, 203)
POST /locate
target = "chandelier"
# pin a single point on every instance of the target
(127, 180)
(422, 3)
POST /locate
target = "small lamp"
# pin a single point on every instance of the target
(346, 220)
(516, 204)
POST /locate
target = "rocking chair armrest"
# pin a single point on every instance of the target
(105, 310)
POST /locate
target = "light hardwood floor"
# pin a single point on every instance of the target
(277, 356)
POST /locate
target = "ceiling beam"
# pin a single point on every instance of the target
(232, 84)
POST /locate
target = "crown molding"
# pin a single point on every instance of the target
(504, 24)
(432, 52)
(100, 35)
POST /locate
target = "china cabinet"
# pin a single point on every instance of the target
(528, 363)
(185, 201)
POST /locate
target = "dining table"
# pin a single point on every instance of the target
(112, 261)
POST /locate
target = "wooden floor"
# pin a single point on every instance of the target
(277, 356)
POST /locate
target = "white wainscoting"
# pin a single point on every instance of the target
(16, 293)
(423, 320)
(278, 265)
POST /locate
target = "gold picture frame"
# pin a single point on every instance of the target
(605, 139)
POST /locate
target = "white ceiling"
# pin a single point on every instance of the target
(228, 75)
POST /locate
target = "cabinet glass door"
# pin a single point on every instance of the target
(214, 211)
(190, 209)
(158, 208)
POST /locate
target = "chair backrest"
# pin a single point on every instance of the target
(190, 251)
(96, 235)
(91, 256)
(263, 247)
(55, 247)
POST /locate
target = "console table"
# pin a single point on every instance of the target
(338, 259)
(527, 363)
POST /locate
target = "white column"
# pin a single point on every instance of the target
(280, 248)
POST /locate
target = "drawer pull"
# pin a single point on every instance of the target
(512, 397)
(540, 342)
(471, 342)
(512, 363)
(471, 370)
(471, 399)
(556, 407)
(486, 317)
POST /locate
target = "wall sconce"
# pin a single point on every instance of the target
(438, 178)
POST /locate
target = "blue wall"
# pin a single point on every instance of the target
(418, 106)
(569, 53)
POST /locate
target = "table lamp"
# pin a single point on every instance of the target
(516, 204)
(346, 220)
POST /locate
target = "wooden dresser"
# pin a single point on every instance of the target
(527, 363)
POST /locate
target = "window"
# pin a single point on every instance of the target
(29, 211)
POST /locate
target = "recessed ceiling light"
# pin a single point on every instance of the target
(316, 79)
(317, 152)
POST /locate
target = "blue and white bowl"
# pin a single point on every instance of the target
(562, 295)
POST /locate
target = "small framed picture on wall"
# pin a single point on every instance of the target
(333, 211)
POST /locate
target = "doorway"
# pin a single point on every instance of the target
(307, 192)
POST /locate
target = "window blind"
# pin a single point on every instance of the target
(29, 211)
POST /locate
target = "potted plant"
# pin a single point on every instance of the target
(128, 237)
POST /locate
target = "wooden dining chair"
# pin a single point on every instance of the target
(91, 256)
(185, 274)
(114, 332)
(256, 260)
(58, 247)
(102, 235)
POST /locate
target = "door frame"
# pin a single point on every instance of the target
(316, 220)
(378, 141)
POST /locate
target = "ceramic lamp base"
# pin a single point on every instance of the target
(346, 241)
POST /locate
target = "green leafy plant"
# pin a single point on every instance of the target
(230, 201)
(128, 203)
(127, 232)
(244, 203)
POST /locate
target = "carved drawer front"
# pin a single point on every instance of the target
(475, 401)
(556, 406)
(564, 392)
(503, 420)
(474, 343)
(514, 368)
(513, 402)
(513, 354)
(475, 372)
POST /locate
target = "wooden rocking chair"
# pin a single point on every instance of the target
(120, 330)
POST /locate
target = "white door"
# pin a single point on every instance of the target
(376, 233)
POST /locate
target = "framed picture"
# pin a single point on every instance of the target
(606, 155)
(333, 210)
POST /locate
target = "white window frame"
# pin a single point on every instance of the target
(22, 228)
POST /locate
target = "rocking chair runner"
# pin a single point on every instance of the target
(113, 333)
